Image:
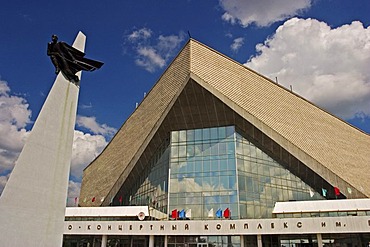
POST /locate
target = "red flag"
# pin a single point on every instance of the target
(93, 200)
(227, 213)
(174, 214)
(120, 200)
(336, 191)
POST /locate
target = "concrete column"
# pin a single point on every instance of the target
(151, 241)
(104, 240)
(165, 241)
(259, 241)
(33, 202)
(319, 240)
(241, 241)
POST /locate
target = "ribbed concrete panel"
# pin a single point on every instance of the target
(106, 174)
(33, 202)
(326, 143)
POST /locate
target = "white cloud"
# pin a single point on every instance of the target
(261, 12)
(237, 43)
(153, 55)
(329, 67)
(149, 59)
(141, 34)
(85, 149)
(14, 116)
(96, 128)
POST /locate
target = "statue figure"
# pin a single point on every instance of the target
(69, 60)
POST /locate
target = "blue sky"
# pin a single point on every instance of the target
(321, 48)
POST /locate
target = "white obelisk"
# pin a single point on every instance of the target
(32, 205)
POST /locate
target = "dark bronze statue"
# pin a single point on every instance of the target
(69, 60)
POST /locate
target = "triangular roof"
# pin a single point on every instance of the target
(200, 77)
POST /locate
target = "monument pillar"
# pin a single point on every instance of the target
(32, 205)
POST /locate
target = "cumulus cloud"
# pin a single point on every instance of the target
(86, 148)
(14, 116)
(153, 53)
(237, 43)
(328, 66)
(96, 128)
(261, 12)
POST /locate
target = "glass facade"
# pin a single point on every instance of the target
(152, 186)
(203, 172)
(217, 168)
(262, 182)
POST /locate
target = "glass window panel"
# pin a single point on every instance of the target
(214, 149)
(174, 136)
(182, 151)
(223, 165)
(224, 182)
(198, 135)
(190, 135)
(232, 182)
(215, 165)
(206, 149)
(230, 147)
(174, 151)
(222, 132)
(182, 136)
(241, 183)
(222, 148)
(206, 183)
(231, 164)
(215, 183)
(190, 166)
(206, 134)
(229, 131)
(225, 199)
(206, 166)
(190, 151)
(198, 150)
(198, 166)
(214, 133)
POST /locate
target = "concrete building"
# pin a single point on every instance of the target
(222, 156)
